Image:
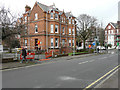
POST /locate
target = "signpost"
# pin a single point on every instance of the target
(89, 46)
(117, 43)
(93, 43)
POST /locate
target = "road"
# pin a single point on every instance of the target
(74, 73)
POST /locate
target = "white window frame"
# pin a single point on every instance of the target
(72, 21)
(73, 31)
(109, 27)
(26, 42)
(25, 18)
(62, 19)
(73, 42)
(109, 32)
(56, 17)
(63, 42)
(69, 21)
(117, 38)
(105, 32)
(36, 16)
(70, 43)
(56, 26)
(56, 41)
(52, 43)
(117, 31)
(36, 26)
(51, 16)
(52, 28)
(63, 30)
(69, 31)
(112, 32)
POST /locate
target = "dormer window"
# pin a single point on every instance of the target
(69, 21)
(51, 16)
(109, 27)
(62, 19)
(56, 16)
(72, 21)
(25, 18)
(36, 16)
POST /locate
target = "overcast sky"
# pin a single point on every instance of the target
(104, 10)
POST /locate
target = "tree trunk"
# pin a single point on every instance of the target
(10, 50)
(84, 47)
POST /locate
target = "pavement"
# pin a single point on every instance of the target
(17, 64)
(110, 82)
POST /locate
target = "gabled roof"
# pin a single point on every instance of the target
(44, 7)
(115, 25)
(69, 14)
(53, 7)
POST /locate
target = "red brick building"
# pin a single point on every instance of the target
(51, 28)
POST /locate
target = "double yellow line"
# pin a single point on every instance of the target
(89, 86)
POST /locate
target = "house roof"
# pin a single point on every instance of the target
(53, 7)
(44, 7)
(115, 25)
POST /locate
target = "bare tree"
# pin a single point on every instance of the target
(9, 27)
(86, 24)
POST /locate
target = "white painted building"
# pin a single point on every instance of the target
(110, 34)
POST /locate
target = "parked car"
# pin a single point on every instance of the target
(18, 49)
(1, 48)
(101, 47)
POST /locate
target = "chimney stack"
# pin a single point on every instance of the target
(27, 8)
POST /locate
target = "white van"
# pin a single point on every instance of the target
(1, 48)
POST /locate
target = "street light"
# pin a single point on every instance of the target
(95, 39)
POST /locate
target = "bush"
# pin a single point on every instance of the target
(109, 45)
(91, 50)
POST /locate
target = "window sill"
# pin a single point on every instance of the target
(56, 32)
(57, 47)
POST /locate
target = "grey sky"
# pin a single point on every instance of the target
(104, 10)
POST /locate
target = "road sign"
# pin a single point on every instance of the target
(38, 42)
(89, 46)
(93, 43)
(117, 43)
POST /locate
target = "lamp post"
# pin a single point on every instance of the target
(95, 39)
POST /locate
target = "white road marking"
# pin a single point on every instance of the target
(91, 60)
(103, 58)
(86, 62)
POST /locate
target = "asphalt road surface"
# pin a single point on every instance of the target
(74, 73)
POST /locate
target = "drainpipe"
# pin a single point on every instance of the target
(46, 33)
(74, 41)
(66, 34)
(60, 32)
(28, 36)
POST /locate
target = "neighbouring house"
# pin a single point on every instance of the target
(48, 28)
(111, 32)
(118, 34)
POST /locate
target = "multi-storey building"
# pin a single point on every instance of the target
(111, 32)
(52, 28)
